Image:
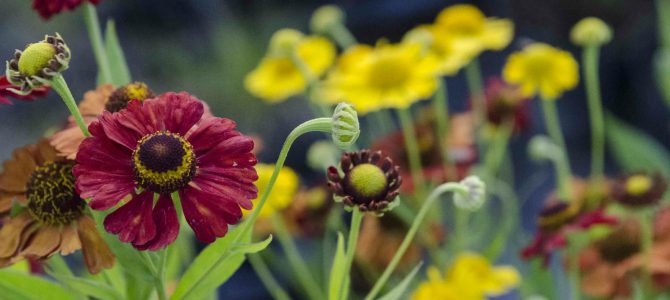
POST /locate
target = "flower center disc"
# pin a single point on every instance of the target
(163, 162)
(389, 71)
(367, 180)
(35, 58)
(638, 184)
(52, 198)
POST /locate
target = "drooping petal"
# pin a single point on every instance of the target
(17, 170)
(45, 243)
(167, 224)
(70, 240)
(133, 222)
(11, 233)
(208, 214)
(97, 255)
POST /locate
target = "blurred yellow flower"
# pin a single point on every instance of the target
(282, 193)
(471, 277)
(276, 78)
(441, 50)
(542, 68)
(471, 31)
(385, 76)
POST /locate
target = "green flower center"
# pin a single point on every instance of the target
(35, 58)
(637, 185)
(164, 162)
(52, 198)
(367, 180)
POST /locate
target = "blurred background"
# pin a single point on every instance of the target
(206, 47)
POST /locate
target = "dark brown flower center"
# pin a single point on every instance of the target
(52, 198)
(120, 98)
(164, 162)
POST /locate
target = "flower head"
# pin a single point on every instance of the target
(385, 76)
(277, 77)
(49, 8)
(440, 48)
(161, 147)
(639, 189)
(120, 98)
(37, 63)
(474, 196)
(345, 129)
(6, 92)
(51, 218)
(504, 102)
(591, 31)
(540, 68)
(325, 17)
(370, 181)
(284, 190)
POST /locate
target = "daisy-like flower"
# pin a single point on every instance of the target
(52, 217)
(440, 48)
(284, 190)
(470, 277)
(277, 77)
(49, 8)
(142, 155)
(385, 76)
(370, 181)
(38, 63)
(6, 93)
(639, 189)
(103, 98)
(540, 68)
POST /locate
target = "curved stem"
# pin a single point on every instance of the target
(592, 82)
(60, 86)
(554, 128)
(412, 146)
(94, 34)
(300, 269)
(425, 208)
(266, 277)
(354, 229)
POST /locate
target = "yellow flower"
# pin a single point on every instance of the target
(276, 78)
(441, 48)
(469, 29)
(471, 277)
(385, 76)
(542, 68)
(282, 193)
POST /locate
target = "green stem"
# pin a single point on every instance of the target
(60, 86)
(496, 153)
(575, 244)
(646, 217)
(300, 269)
(592, 82)
(59, 266)
(474, 78)
(425, 208)
(554, 128)
(663, 17)
(94, 34)
(342, 35)
(266, 277)
(441, 108)
(412, 146)
(462, 219)
(354, 230)
(156, 274)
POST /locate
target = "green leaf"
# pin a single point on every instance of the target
(337, 270)
(20, 286)
(214, 265)
(88, 287)
(635, 150)
(399, 291)
(117, 60)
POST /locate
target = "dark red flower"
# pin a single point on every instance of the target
(48, 8)
(162, 147)
(505, 102)
(5, 93)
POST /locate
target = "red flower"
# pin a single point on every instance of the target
(164, 146)
(505, 102)
(5, 93)
(48, 8)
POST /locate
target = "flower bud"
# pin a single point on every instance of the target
(37, 63)
(345, 127)
(543, 148)
(325, 17)
(475, 196)
(284, 42)
(591, 31)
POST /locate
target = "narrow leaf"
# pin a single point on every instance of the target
(337, 270)
(117, 60)
(399, 291)
(89, 287)
(20, 286)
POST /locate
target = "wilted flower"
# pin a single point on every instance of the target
(470, 277)
(639, 189)
(283, 191)
(52, 218)
(37, 63)
(161, 147)
(591, 31)
(540, 68)
(370, 181)
(48, 8)
(504, 103)
(6, 93)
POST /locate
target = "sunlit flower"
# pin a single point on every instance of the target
(161, 147)
(370, 181)
(48, 8)
(540, 68)
(277, 78)
(470, 277)
(385, 76)
(6, 93)
(37, 63)
(639, 189)
(505, 103)
(52, 218)
(283, 191)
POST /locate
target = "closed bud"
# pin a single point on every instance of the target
(345, 126)
(474, 196)
(325, 17)
(284, 42)
(591, 31)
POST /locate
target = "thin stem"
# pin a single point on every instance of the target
(462, 219)
(300, 269)
(646, 217)
(496, 153)
(94, 34)
(60, 86)
(155, 273)
(59, 266)
(554, 128)
(473, 77)
(425, 208)
(576, 243)
(441, 109)
(342, 35)
(592, 82)
(663, 17)
(266, 277)
(412, 147)
(354, 230)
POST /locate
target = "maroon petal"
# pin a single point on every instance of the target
(117, 132)
(167, 225)
(209, 132)
(178, 111)
(230, 189)
(235, 151)
(133, 222)
(207, 214)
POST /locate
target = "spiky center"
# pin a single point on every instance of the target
(120, 98)
(163, 162)
(637, 185)
(367, 180)
(35, 58)
(52, 198)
